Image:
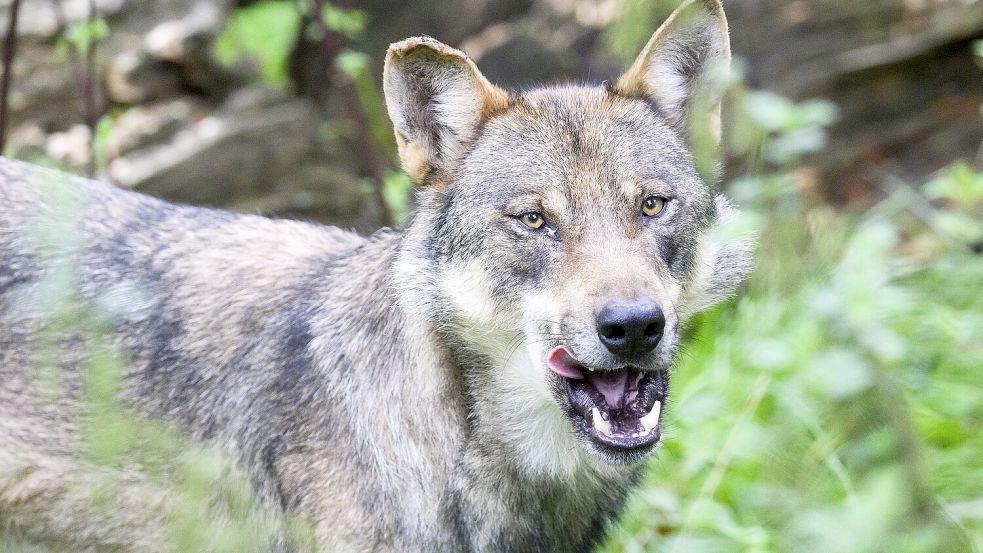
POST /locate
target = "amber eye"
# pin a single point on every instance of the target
(532, 220)
(653, 205)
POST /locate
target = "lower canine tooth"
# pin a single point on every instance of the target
(652, 419)
(600, 424)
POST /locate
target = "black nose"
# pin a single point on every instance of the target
(631, 327)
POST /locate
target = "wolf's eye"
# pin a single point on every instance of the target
(653, 205)
(532, 220)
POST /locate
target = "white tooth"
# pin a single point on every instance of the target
(638, 378)
(649, 421)
(600, 424)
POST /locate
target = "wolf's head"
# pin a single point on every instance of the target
(564, 234)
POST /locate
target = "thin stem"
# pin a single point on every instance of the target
(9, 46)
(369, 159)
(83, 71)
(723, 459)
(92, 92)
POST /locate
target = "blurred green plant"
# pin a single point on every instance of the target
(263, 33)
(349, 22)
(831, 407)
(83, 35)
(100, 142)
(357, 67)
(78, 42)
(396, 190)
(208, 506)
(627, 34)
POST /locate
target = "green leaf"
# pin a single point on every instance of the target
(350, 23)
(264, 33)
(959, 183)
(840, 373)
(396, 191)
(83, 34)
(353, 64)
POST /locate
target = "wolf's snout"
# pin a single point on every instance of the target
(631, 327)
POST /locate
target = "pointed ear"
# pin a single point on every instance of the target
(436, 99)
(671, 70)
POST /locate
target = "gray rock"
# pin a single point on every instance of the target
(143, 126)
(37, 17)
(134, 77)
(222, 157)
(71, 148)
(523, 53)
(42, 90)
(27, 141)
(318, 190)
(187, 38)
(251, 97)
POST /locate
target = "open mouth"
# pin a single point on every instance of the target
(620, 408)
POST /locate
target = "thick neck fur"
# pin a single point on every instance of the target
(501, 495)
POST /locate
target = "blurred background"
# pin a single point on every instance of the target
(837, 405)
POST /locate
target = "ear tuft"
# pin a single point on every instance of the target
(436, 98)
(673, 65)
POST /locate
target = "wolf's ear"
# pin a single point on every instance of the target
(671, 68)
(436, 99)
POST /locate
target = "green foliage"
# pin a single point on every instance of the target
(207, 505)
(792, 130)
(100, 143)
(626, 36)
(396, 191)
(835, 406)
(82, 35)
(357, 67)
(959, 183)
(263, 33)
(350, 23)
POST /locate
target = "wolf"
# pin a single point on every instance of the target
(489, 378)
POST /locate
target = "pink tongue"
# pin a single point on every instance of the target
(563, 363)
(611, 384)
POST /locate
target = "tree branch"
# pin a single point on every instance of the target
(9, 46)
(371, 161)
(83, 71)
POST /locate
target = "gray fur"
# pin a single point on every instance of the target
(388, 389)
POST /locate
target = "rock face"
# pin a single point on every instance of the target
(902, 71)
(184, 128)
(153, 123)
(188, 129)
(38, 19)
(43, 89)
(241, 145)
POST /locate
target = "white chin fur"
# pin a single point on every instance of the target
(518, 404)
